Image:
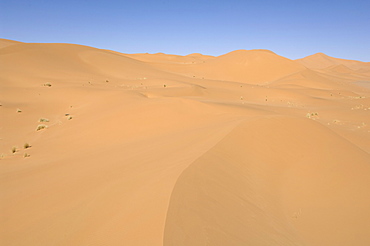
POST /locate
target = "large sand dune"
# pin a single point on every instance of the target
(248, 148)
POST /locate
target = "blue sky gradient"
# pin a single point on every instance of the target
(293, 29)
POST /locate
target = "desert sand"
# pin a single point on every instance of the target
(247, 148)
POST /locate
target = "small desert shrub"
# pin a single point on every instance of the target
(26, 145)
(47, 85)
(43, 120)
(40, 127)
(312, 115)
(18, 110)
(69, 118)
(14, 149)
(26, 155)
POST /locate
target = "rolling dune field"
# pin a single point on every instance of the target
(247, 148)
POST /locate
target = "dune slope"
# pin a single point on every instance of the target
(270, 181)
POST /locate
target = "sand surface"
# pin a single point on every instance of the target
(247, 148)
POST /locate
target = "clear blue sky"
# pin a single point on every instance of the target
(291, 28)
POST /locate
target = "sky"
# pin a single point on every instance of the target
(290, 28)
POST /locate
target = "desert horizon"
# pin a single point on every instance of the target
(99, 147)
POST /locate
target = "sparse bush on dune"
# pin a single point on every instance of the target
(14, 149)
(40, 127)
(27, 145)
(43, 120)
(312, 115)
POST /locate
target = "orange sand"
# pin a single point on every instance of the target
(248, 148)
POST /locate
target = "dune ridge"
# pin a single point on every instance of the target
(321, 61)
(98, 147)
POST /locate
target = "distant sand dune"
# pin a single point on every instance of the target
(321, 61)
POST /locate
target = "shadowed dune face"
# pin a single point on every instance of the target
(254, 189)
(248, 148)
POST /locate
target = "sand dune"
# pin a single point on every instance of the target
(321, 61)
(248, 148)
(254, 66)
(267, 187)
(340, 70)
(245, 66)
